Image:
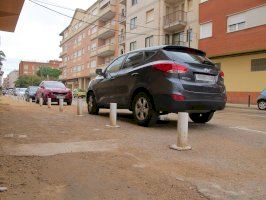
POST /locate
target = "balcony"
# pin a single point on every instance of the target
(107, 31)
(175, 21)
(107, 13)
(122, 38)
(106, 50)
(62, 54)
(123, 2)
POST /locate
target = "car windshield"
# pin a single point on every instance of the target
(188, 57)
(54, 84)
(33, 89)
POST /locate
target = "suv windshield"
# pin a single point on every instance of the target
(54, 84)
(188, 57)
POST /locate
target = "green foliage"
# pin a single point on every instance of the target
(49, 73)
(26, 81)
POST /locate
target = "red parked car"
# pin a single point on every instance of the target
(54, 90)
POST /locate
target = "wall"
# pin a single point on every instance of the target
(223, 43)
(240, 81)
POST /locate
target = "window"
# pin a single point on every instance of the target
(178, 38)
(26, 67)
(206, 30)
(133, 59)
(94, 12)
(93, 46)
(93, 64)
(133, 45)
(133, 23)
(149, 15)
(236, 22)
(167, 39)
(116, 65)
(134, 2)
(149, 41)
(93, 29)
(189, 35)
(258, 64)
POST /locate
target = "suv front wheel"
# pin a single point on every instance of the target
(143, 111)
(201, 117)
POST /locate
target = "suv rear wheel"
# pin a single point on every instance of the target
(143, 111)
(201, 117)
(93, 108)
(262, 105)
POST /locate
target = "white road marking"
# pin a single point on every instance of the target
(49, 149)
(247, 129)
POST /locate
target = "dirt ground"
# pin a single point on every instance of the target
(45, 154)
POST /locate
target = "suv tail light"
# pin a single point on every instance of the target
(171, 68)
(221, 74)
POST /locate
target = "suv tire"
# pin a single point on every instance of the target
(143, 110)
(201, 117)
(93, 108)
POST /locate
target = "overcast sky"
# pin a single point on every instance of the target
(37, 33)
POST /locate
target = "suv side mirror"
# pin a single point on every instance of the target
(99, 72)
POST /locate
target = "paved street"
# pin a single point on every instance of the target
(64, 156)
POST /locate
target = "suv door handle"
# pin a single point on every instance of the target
(134, 74)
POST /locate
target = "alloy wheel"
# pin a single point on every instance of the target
(142, 108)
(262, 105)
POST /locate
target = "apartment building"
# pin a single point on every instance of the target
(9, 81)
(31, 67)
(158, 22)
(234, 36)
(89, 42)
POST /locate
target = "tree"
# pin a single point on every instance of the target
(49, 73)
(2, 57)
(28, 80)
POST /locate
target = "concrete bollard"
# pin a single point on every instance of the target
(61, 105)
(30, 100)
(49, 102)
(80, 107)
(41, 101)
(182, 133)
(113, 115)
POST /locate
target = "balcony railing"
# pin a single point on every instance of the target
(175, 20)
(103, 51)
(106, 31)
(107, 12)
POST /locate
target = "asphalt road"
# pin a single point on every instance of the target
(50, 155)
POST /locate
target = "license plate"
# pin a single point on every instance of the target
(205, 78)
(60, 96)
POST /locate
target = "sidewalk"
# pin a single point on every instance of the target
(242, 106)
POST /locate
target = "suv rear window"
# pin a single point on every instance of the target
(188, 57)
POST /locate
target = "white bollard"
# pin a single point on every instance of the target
(80, 107)
(30, 100)
(41, 101)
(61, 105)
(113, 114)
(49, 102)
(182, 133)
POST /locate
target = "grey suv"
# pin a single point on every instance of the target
(160, 80)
